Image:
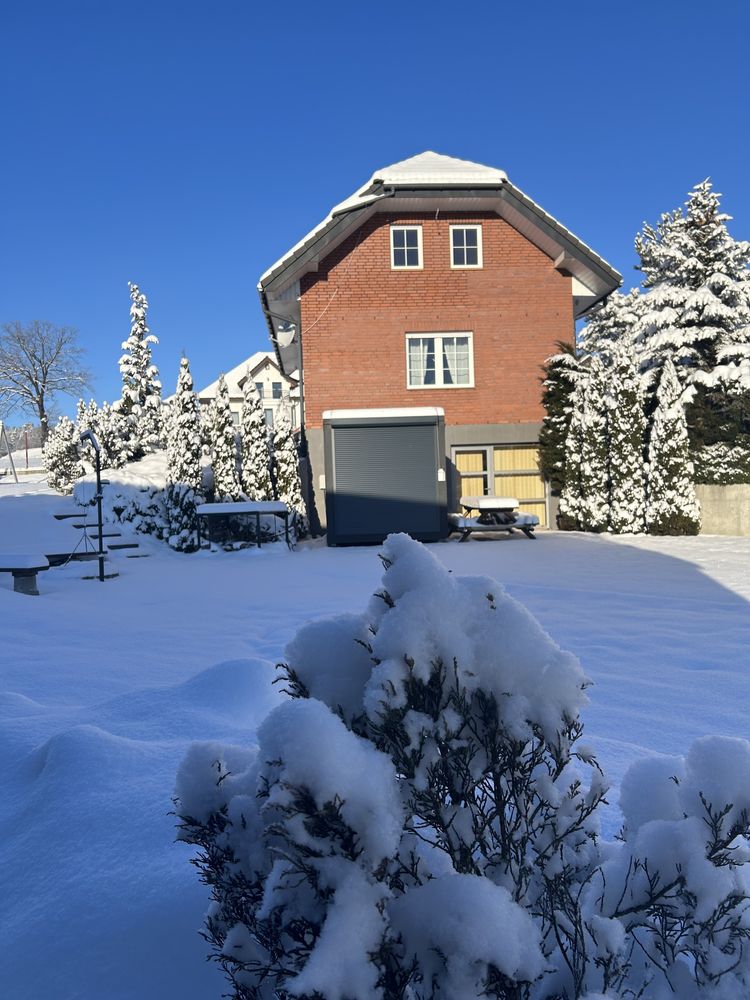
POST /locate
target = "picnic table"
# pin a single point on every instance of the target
(495, 514)
(221, 518)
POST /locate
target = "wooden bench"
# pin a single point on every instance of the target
(218, 517)
(24, 568)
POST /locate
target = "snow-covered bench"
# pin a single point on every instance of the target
(495, 514)
(218, 518)
(24, 568)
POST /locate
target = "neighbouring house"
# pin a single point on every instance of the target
(428, 299)
(272, 383)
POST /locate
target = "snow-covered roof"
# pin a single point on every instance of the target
(422, 183)
(236, 376)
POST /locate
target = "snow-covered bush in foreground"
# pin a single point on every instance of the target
(419, 821)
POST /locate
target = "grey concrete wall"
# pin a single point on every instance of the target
(725, 510)
(456, 435)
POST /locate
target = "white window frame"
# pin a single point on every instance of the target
(467, 267)
(438, 337)
(407, 267)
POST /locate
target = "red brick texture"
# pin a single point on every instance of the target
(356, 312)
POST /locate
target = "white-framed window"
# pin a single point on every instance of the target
(439, 360)
(406, 247)
(276, 390)
(466, 246)
(268, 414)
(259, 389)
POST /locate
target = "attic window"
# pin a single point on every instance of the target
(406, 247)
(466, 246)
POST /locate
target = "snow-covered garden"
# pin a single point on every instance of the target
(106, 686)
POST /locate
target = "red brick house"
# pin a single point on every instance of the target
(437, 284)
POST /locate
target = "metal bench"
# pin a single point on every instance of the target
(219, 518)
(24, 568)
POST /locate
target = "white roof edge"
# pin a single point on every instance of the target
(390, 411)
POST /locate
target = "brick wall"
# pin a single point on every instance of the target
(356, 311)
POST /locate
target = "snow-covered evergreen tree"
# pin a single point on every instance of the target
(141, 388)
(697, 313)
(256, 455)
(612, 327)
(560, 375)
(183, 492)
(286, 467)
(571, 497)
(594, 487)
(61, 456)
(626, 423)
(223, 445)
(111, 430)
(671, 504)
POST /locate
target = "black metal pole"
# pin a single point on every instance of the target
(99, 514)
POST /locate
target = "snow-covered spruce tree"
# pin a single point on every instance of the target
(697, 313)
(570, 517)
(223, 446)
(612, 327)
(110, 428)
(558, 384)
(415, 823)
(626, 433)
(183, 492)
(671, 504)
(61, 457)
(409, 810)
(256, 455)
(286, 467)
(141, 388)
(594, 510)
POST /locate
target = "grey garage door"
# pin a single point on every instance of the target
(385, 478)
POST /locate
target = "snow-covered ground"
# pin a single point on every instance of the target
(104, 686)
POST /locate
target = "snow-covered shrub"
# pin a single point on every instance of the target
(184, 474)
(419, 822)
(111, 430)
(286, 467)
(256, 456)
(61, 457)
(723, 464)
(672, 507)
(412, 815)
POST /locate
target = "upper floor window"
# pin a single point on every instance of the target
(439, 360)
(268, 414)
(406, 247)
(466, 246)
(276, 390)
(259, 387)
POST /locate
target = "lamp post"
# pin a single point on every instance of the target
(90, 437)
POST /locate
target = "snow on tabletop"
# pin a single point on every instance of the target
(104, 687)
(17, 560)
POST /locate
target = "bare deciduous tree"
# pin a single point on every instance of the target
(37, 362)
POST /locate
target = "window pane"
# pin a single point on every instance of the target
(472, 257)
(470, 237)
(399, 258)
(268, 414)
(421, 361)
(412, 258)
(259, 388)
(399, 237)
(276, 390)
(458, 256)
(412, 239)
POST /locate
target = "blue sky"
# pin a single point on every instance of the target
(186, 146)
